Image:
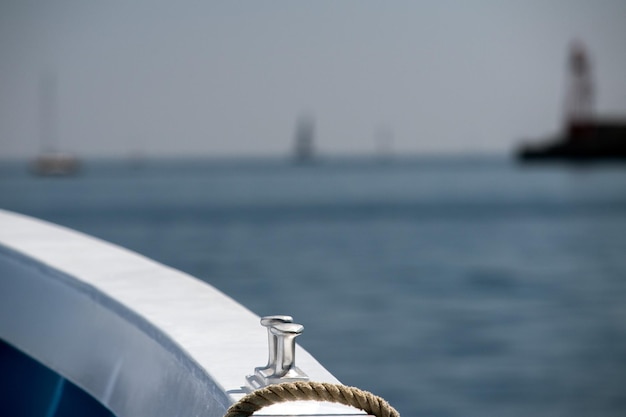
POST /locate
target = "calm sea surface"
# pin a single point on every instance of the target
(451, 287)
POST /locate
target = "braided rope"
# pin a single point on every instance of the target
(316, 391)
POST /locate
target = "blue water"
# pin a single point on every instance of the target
(449, 286)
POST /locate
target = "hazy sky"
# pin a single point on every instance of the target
(232, 77)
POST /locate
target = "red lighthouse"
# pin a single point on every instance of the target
(580, 93)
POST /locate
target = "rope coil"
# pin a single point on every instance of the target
(311, 391)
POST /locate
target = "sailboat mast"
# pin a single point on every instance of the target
(48, 113)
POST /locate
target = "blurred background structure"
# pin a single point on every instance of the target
(585, 135)
(221, 79)
(427, 266)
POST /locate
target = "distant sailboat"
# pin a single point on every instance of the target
(305, 131)
(51, 162)
(384, 144)
(56, 164)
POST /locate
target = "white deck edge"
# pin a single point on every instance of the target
(103, 316)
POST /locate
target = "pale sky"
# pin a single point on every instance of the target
(227, 78)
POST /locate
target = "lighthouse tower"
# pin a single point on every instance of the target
(579, 99)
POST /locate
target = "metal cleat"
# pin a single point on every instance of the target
(281, 364)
